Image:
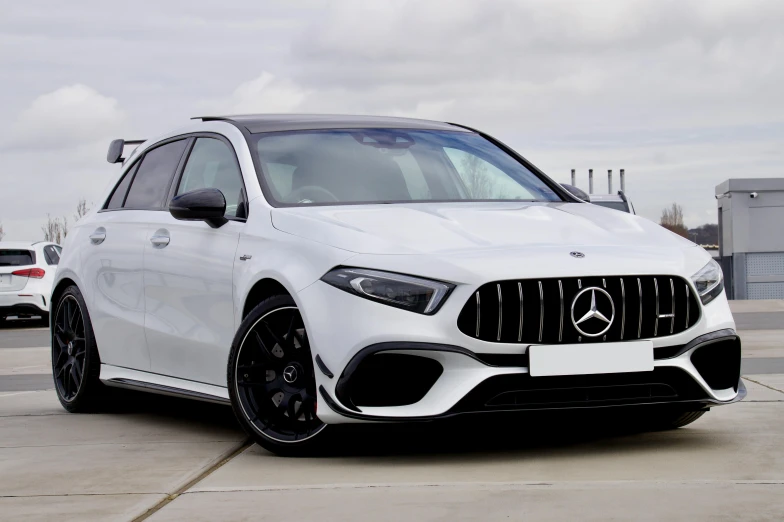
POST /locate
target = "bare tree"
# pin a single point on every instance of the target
(2, 232)
(81, 209)
(55, 229)
(672, 220)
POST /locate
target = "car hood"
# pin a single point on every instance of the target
(471, 228)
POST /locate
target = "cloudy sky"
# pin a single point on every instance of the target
(682, 94)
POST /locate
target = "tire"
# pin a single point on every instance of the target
(75, 360)
(271, 380)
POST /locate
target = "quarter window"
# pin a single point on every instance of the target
(118, 196)
(51, 255)
(212, 164)
(153, 177)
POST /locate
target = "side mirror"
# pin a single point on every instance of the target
(574, 191)
(206, 204)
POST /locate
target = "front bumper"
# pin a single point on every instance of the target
(347, 333)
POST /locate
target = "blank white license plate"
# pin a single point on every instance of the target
(584, 359)
(5, 279)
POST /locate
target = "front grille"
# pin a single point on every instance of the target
(539, 311)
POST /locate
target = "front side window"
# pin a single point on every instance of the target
(151, 183)
(212, 164)
(391, 165)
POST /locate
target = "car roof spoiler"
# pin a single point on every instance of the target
(116, 148)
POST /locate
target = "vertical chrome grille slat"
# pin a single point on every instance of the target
(520, 330)
(639, 292)
(560, 327)
(478, 313)
(541, 311)
(656, 322)
(620, 288)
(672, 310)
(500, 312)
(623, 308)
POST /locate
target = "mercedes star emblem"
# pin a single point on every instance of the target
(578, 255)
(599, 315)
(290, 374)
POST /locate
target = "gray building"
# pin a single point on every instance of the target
(751, 237)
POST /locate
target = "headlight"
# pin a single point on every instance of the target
(409, 293)
(709, 281)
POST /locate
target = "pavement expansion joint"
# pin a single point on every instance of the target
(765, 385)
(598, 484)
(217, 464)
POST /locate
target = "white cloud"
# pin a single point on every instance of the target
(265, 94)
(71, 115)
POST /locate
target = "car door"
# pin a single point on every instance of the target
(188, 272)
(113, 256)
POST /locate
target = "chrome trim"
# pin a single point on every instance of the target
(639, 292)
(560, 327)
(520, 331)
(672, 310)
(541, 311)
(500, 311)
(478, 313)
(656, 322)
(623, 308)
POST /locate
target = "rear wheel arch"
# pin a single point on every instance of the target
(57, 292)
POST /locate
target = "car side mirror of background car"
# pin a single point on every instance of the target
(207, 204)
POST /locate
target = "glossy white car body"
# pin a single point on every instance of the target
(167, 316)
(22, 295)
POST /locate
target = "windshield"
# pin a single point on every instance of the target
(391, 165)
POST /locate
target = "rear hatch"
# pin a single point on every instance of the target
(15, 260)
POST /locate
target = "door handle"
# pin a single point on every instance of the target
(159, 241)
(98, 237)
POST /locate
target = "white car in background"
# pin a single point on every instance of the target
(26, 278)
(316, 270)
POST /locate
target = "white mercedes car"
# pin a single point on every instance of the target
(26, 278)
(318, 270)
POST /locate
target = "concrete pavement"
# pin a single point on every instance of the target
(165, 459)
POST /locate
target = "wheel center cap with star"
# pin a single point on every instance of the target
(593, 311)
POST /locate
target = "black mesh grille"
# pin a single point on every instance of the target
(533, 311)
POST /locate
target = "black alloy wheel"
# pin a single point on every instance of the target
(75, 361)
(271, 377)
(69, 348)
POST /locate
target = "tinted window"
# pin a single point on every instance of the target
(118, 196)
(392, 165)
(51, 255)
(212, 164)
(151, 183)
(16, 258)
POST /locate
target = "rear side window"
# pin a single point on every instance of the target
(16, 258)
(51, 255)
(118, 196)
(151, 183)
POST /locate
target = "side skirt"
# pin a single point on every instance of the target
(163, 385)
